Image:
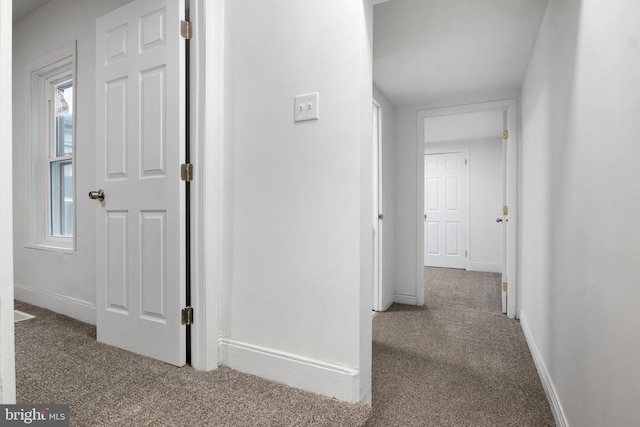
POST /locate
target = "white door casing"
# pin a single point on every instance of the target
(445, 207)
(140, 122)
(7, 342)
(377, 208)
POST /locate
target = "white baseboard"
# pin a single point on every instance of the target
(547, 382)
(296, 371)
(388, 301)
(405, 299)
(485, 267)
(78, 309)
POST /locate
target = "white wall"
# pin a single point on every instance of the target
(7, 358)
(580, 208)
(299, 271)
(406, 182)
(485, 199)
(64, 282)
(388, 198)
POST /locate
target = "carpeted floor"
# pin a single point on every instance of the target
(457, 361)
(59, 361)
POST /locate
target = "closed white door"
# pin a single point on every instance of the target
(140, 268)
(445, 207)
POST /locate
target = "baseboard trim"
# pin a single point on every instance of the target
(296, 371)
(547, 382)
(405, 299)
(485, 267)
(75, 308)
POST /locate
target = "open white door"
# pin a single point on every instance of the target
(140, 122)
(445, 207)
(505, 211)
(510, 150)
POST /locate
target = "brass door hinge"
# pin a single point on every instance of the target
(186, 314)
(186, 172)
(505, 286)
(186, 29)
(505, 134)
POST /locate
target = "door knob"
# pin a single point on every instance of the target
(96, 195)
(498, 219)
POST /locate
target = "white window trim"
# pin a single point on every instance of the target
(61, 62)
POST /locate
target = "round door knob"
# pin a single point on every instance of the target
(96, 195)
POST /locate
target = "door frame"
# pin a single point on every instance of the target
(7, 349)
(377, 187)
(209, 157)
(510, 106)
(467, 197)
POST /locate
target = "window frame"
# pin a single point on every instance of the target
(51, 85)
(45, 73)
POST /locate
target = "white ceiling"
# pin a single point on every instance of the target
(433, 49)
(463, 127)
(22, 8)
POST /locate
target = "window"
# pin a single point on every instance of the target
(52, 207)
(60, 161)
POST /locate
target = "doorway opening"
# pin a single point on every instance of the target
(484, 238)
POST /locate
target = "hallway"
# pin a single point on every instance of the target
(456, 361)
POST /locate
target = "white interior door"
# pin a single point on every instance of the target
(504, 218)
(140, 126)
(445, 207)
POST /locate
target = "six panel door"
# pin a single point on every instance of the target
(140, 110)
(445, 206)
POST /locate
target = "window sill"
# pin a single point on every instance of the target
(51, 248)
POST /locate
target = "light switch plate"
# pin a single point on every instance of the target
(306, 107)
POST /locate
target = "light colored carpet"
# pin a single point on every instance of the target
(59, 361)
(456, 362)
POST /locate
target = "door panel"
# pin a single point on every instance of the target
(433, 194)
(453, 238)
(140, 266)
(116, 141)
(117, 274)
(453, 190)
(433, 238)
(445, 210)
